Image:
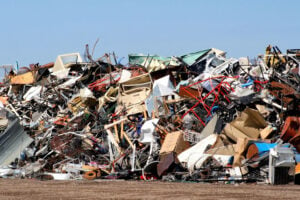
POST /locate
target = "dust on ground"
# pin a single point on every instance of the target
(35, 189)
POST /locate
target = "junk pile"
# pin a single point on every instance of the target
(197, 117)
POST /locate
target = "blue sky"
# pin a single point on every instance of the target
(39, 30)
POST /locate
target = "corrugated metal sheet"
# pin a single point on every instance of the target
(12, 142)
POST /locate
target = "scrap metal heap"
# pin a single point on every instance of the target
(196, 117)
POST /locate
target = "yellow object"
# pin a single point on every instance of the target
(90, 175)
(23, 79)
(297, 168)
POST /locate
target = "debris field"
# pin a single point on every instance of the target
(198, 117)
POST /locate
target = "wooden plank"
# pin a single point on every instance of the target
(23, 79)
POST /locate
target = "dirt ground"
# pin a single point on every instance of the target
(34, 189)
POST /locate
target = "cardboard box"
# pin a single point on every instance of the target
(247, 125)
(174, 143)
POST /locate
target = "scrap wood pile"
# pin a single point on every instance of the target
(196, 117)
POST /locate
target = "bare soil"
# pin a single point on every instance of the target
(34, 189)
